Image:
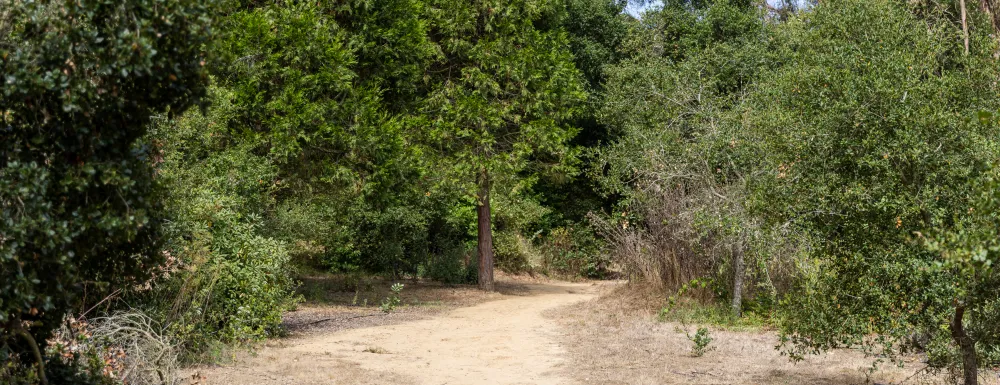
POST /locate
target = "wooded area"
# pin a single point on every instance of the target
(170, 169)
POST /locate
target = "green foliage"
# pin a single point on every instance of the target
(833, 148)
(700, 340)
(869, 136)
(596, 29)
(234, 282)
(681, 178)
(375, 115)
(79, 206)
(392, 301)
(574, 250)
(672, 301)
(513, 253)
(684, 306)
(449, 266)
(319, 87)
(82, 368)
(508, 91)
(970, 249)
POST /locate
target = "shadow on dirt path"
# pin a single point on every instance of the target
(507, 341)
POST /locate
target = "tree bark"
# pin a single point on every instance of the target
(485, 233)
(738, 269)
(966, 346)
(965, 26)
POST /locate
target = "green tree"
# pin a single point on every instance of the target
(681, 178)
(77, 193)
(597, 30)
(499, 95)
(968, 254)
(869, 134)
(322, 89)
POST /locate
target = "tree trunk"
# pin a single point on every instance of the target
(485, 233)
(965, 26)
(966, 346)
(738, 268)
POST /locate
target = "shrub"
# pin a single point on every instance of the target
(869, 136)
(513, 253)
(392, 301)
(574, 250)
(454, 265)
(683, 179)
(78, 201)
(236, 286)
(700, 341)
(234, 282)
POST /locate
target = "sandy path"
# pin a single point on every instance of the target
(500, 342)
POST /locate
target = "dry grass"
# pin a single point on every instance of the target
(375, 350)
(148, 356)
(615, 339)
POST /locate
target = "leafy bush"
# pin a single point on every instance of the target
(574, 250)
(513, 253)
(234, 282)
(866, 135)
(79, 209)
(683, 180)
(454, 265)
(81, 368)
(700, 340)
(392, 301)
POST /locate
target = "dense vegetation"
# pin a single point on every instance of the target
(831, 166)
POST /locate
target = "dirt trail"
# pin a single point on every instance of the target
(507, 341)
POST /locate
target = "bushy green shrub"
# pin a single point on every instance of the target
(79, 210)
(453, 265)
(80, 369)
(574, 250)
(234, 282)
(700, 342)
(868, 135)
(513, 253)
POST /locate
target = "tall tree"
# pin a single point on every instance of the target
(499, 96)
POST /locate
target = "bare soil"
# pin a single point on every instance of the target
(334, 305)
(504, 339)
(531, 332)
